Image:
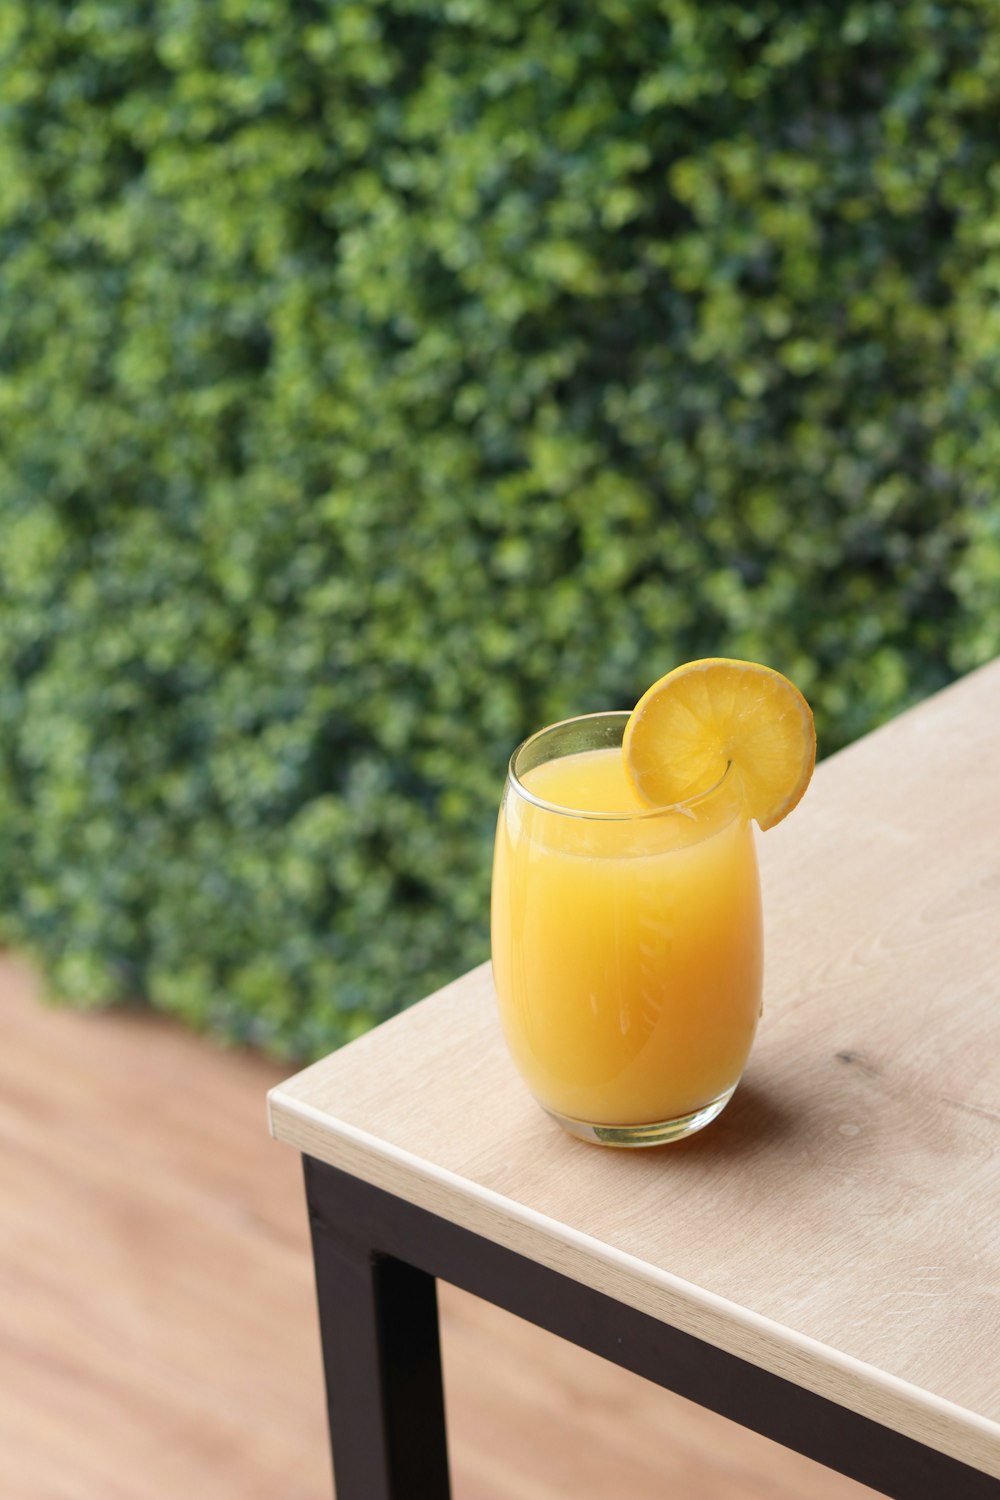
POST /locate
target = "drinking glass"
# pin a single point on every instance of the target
(627, 946)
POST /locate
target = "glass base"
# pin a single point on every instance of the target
(657, 1133)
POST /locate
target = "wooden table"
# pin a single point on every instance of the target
(822, 1264)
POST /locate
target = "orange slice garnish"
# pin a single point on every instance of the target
(710, 714)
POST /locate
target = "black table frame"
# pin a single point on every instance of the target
(377, 1260)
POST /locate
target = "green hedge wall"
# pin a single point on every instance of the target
(379, 381)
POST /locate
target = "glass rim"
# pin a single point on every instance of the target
(686, 806)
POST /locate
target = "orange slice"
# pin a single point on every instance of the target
(700, 717)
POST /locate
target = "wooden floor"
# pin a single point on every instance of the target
(157, 1328)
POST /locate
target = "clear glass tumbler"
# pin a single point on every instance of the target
(627, 943)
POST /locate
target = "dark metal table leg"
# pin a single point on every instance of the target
(381, 1355)
(376, 1260)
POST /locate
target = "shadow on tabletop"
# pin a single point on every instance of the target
(754, 1122)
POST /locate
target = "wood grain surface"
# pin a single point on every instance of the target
(840, 1224)
(158, 1334)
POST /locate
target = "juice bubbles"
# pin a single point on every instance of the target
(627, 949)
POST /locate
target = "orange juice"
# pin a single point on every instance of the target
(627, 951)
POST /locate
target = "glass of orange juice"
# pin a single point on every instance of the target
(627, 946)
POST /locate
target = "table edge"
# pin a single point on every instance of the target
(916, 1413)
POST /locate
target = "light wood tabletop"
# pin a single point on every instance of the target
(839, 1225)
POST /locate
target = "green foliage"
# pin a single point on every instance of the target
(379, 381)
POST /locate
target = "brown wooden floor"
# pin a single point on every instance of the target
(157, 1329)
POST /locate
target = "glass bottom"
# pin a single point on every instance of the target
(657, 1133)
